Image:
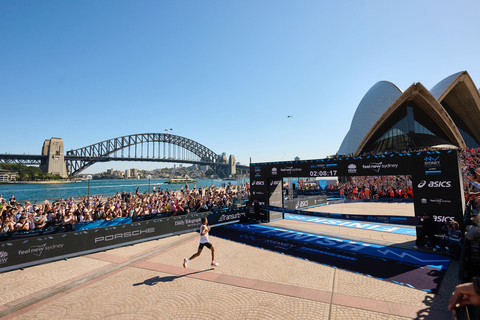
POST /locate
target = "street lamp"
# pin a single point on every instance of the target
(89, 177)
(148, 177)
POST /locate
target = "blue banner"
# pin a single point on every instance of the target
(101, 223)
(351, 224)
(392, 253)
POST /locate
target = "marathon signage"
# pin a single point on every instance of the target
(37, 250)
(436, 179)
(301, 203)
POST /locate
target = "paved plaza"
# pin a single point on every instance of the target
(147, 281)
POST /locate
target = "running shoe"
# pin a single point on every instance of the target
(214, 264)
(185, 262)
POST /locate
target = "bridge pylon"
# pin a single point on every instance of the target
(55, 163)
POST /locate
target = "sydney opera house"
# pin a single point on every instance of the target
(387, 118)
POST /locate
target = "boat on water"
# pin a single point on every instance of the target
(228, 179)
(181, 181)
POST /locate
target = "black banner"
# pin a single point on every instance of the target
(275, 193)
(36, 250)
(306, 202)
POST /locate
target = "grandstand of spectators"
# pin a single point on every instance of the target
(17, 217)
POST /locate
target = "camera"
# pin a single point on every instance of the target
(473, 173)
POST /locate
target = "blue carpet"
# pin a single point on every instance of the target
(419, 270)
(353, 224)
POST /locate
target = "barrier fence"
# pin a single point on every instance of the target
(25, 252)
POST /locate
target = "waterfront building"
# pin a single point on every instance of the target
(387, 118)
(6, 175)
(133, 172)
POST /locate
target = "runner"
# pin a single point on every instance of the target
(204, 229)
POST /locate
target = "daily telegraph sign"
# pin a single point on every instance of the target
(436, 179)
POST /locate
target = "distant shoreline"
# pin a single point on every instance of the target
(40, 182)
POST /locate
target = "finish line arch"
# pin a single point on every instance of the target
(436, 179)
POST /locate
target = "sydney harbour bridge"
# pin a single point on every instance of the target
(151, 147)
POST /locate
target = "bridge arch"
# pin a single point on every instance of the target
(154, 147)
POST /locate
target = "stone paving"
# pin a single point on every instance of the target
(147, 281)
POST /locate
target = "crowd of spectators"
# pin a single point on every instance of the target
(377, 187)
(469, 163)
(17, 217)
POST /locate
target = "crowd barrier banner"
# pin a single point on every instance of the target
(36, 250)
(327, 192)
(227, 216)
(381, 200)
(405, 220)
(101, 223)
(305, 202)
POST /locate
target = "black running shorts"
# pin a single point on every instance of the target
(206, 244)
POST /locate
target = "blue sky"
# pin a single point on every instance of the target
(223, 73)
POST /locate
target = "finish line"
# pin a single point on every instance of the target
(419, 270)
(352, 224)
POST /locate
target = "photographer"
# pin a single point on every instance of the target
(453, 240)
(425, 229)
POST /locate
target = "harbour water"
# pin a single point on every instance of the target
(38, 192)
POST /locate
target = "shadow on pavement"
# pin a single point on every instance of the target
(153, 281)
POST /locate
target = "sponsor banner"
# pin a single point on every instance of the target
(392, 164)
(391, 253)
(437, 187)
(227, 215)
(331, 193)
(36, 250)
(357, 225)
(101, 223)
(275, 192)
(381, 200)
(300, 203)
